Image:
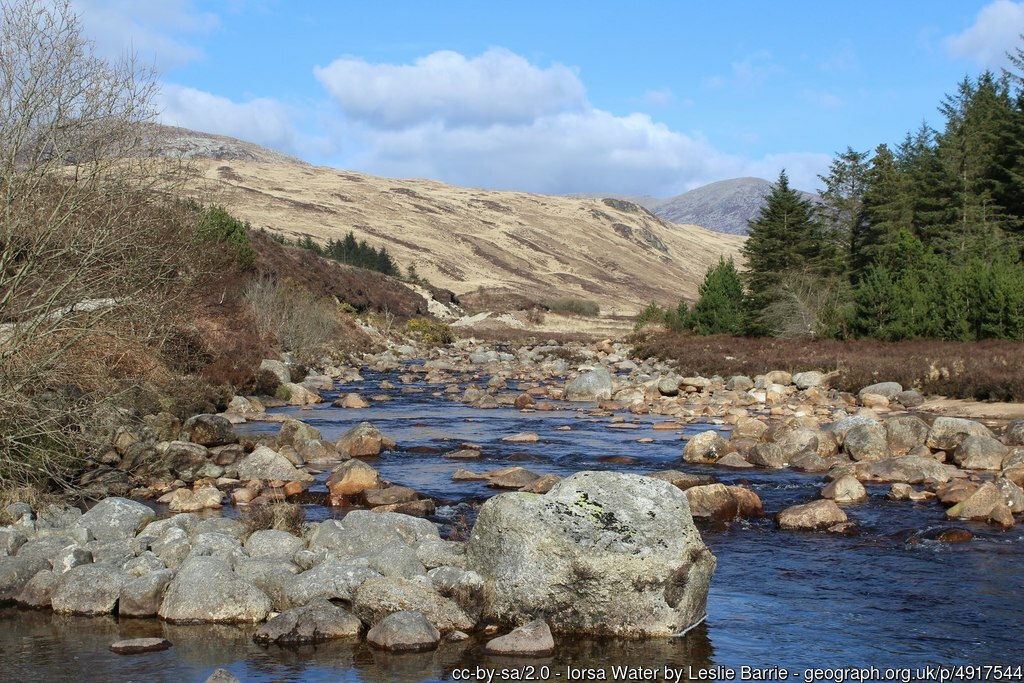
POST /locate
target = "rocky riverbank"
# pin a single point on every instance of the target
(384, 560)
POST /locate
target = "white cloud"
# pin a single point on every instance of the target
(497, 87)
(158, 32)
(261, 120)
(497, 121)
(995, 31)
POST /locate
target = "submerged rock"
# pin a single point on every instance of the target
(601, 553)
(318, 621)
(404, 632)
(531, 640)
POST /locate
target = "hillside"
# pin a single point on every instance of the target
(724, 207)
(510, 245)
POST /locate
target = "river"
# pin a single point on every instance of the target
(886, 597)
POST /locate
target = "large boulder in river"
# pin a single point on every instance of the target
(593, 385)
(707, 447)
(205, 589)
(979, 452)
(267, 464)
(909, 469)
(363, 440)
(601, 553)
(821, 514)
(209, 430)
(947, 433)
(89, 589)
(115, 519)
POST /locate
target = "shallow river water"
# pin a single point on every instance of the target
(884, 598)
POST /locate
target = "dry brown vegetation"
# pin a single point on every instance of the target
(984, 370)
(277, 516)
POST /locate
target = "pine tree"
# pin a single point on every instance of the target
(886, 209)
(841, 210)
(784, 237)
(719, 310)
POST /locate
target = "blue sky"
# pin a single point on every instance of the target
(554, 97)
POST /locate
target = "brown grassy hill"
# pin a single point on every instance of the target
(513, 244)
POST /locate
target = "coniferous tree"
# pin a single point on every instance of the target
(719, 310)
(841, 210)
(783, 238)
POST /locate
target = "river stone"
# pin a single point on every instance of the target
(10, 540)
(463, 587)
(748, 427)
(278, 369)
(909, 469)
(887, 389)
(978, 505)
(392, 495)
(294, 433)
(1015, 433)
(136, 646)
(706, 447)
(183, 456)
(905, 433)
(299, 395)
(363, 532)
(593, 385)
(713, 501)
(38, 592)
(89, 589)
(530, 640)
(601, 553)
(404, 632)
(114, 519)
(378, 597)
(70, 557)
(433, 553)
(351, 478)
(16, 571)
(273, 543)
(208, 430)
(363, 440)
(794, 441)
(866, 442)
(142, 597)
(205, 589)
(845, 489)
(808, 380)
(821, 514)
(979, 452)
(511, 478)
(264, 463)
(739, 383)
(947, 433)
(222, 676)
(331, 580)
(318, 621)
(767, 455)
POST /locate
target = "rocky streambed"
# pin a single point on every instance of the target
(886, 586)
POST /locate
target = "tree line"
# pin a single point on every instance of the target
(352, 252)
(921, 240)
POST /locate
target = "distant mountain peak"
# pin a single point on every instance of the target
(724, 206)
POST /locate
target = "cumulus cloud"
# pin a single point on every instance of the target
(995, 31)
(498, 121)
(262, 120)
(495, 87)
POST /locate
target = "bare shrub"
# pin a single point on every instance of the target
(95, 267)
(301, 322)
(575, 306)
(806, 305)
